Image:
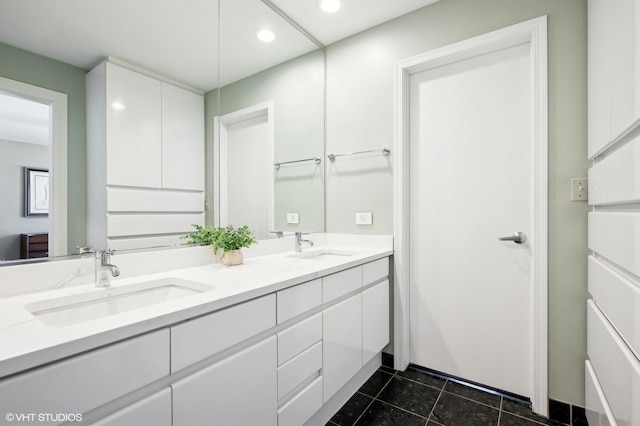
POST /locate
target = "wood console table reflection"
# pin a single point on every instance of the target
(34, 245)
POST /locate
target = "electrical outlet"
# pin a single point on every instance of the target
(364, 218)
(293, 218)
(579, 189)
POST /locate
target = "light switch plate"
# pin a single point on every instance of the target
(579, 189)
(293, 218)
(364, 218)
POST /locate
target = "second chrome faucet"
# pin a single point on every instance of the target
(299, 241)
(104, 270)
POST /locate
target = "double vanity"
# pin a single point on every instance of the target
(284, 339)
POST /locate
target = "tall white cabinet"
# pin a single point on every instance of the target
(614, 70)
(612, 370)
(145, 159)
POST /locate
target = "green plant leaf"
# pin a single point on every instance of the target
(225, 239)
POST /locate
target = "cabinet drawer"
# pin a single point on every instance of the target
(341, 283)
(619, 297)
(202, 337)
(298, 369)
(616, 236)
(299, 337)
(617, 369)
(154, 410)
(596, 406)
(299, 409)
(84, 382)
(299, 299)
(375, 270)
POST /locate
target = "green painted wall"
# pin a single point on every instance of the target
(27, 67)
(360, 116)
(296, 88)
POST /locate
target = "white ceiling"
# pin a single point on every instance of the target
(179, 38)
(353, 17)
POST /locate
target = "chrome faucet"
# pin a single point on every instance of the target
(104, 269)
(300, 241)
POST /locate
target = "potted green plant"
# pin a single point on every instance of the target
(228, 240)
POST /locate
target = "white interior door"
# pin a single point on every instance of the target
(245, 161)
(471, 183)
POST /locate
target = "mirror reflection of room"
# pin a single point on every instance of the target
(141, 213)
(24, 159)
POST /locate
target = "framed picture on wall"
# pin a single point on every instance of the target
(36, 191)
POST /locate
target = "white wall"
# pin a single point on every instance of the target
(14, 157)
(360, 116)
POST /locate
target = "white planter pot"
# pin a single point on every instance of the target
(233, 257)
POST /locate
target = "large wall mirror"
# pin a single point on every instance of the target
(264, 104)
(270, 123)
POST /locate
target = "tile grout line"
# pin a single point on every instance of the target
(401, 409)
(375, 398)
(527, 418)
(500, 411)
(436, 403)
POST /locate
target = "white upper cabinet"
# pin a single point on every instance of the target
(182, 139)
(148, 133)
(145, 159)
(134, 111)
(614, 70)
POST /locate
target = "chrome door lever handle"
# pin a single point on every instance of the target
(518, 238)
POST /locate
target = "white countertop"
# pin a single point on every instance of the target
(26, 342)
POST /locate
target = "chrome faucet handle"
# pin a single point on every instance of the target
(106, 254)
(83, 250)
(279, 234)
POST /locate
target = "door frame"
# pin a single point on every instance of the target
(221, 132)
(58, 159)
(533, 32)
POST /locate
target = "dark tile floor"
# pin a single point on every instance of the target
(413, 397)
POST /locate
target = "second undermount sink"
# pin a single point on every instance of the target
(79, 308)
(322, 254)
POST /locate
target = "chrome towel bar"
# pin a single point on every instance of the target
(385, 151)
(277, 164)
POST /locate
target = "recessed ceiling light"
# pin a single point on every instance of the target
(118, 106)
(330, 6)
(265, 35)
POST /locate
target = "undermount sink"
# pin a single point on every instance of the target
(322, 254)
(79, 308)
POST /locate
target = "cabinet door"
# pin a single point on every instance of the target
(84, 382)
(239, 390)
(614, 69)
(182, 139)
(375, 320)
(342, 344)
(133, 129)
(152, 410)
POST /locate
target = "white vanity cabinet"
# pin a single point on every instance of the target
(84, 382)
(283, 358)
(375, 320)
(145, 159)
(342, 330)
(237, 386)
(240, 390)
(342, 339)
(299, 353)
